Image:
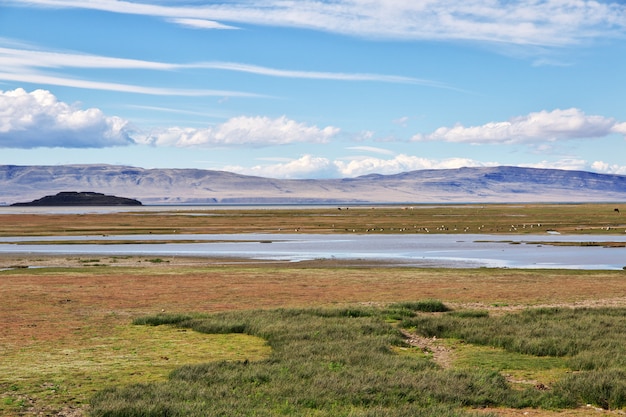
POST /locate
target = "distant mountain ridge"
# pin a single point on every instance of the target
(196, 186)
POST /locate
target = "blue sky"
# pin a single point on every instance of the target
(314, 89)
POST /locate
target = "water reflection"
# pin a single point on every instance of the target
(457, 251)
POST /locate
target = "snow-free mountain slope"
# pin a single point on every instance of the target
(195, 186)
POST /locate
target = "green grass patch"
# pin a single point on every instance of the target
(72, 371)
(544, 342)
(427, 306)
(354, 362)
(521, 370)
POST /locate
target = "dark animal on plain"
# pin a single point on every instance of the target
(617, 210)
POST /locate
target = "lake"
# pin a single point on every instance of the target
(454, 251)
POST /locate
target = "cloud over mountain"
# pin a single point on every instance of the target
(189, 186)
(309, 166)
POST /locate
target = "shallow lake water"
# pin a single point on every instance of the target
(457, 251)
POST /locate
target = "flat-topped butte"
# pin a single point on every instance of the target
(74, 198)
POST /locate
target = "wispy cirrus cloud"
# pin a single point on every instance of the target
(35, 66)
(317, 75)
(519, 22)
(372, 149)
(29, 59)
(201, 23)
(534, 128)
(36, 78)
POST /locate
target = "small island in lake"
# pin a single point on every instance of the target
(74, 198)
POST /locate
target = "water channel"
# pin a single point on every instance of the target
(456, 251)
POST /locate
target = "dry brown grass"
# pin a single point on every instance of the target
(520, 219)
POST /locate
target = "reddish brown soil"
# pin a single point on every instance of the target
(75, 294)
(47, 303)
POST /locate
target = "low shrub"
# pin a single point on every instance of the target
(606, 389)
(470, 313)
(426, 306)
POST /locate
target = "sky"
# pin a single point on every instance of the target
(314, 89)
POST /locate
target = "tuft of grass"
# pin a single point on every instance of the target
(426, 306)
(156, 260)
(606, 389)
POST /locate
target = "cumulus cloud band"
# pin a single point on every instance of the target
(533, 128)
(38, 119)
(243, 130)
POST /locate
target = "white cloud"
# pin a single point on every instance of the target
(243, 130)
(573, 164)
(26, 65)
(546, 22)
(400, 163)
(402, 121)
(317, 75)
(23, 58)
(619, 128)
(606, 168)
(38, 119)
(30, 65)
(309, 166)
(372, 149)
(570, 164)
(201, 23)
(530, 129)
(36, 78)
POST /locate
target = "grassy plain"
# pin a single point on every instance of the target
(492, 218)
(66, 327)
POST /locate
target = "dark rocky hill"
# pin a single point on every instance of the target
(73, 198)
(195, 186)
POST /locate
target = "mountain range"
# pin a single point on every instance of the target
(195, 186)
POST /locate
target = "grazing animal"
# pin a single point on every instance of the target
(617, 210)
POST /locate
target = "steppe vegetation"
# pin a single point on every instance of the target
(123, 336)
(349, 362)
(484, 219)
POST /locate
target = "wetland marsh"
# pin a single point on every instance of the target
(67, 330)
